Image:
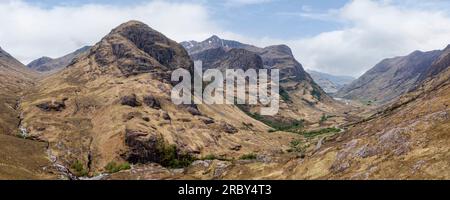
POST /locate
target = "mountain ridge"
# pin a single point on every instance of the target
(47, 64)
(390, 78)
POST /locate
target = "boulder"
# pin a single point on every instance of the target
(130, 100)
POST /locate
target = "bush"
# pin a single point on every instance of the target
(250, 156)
(297, 146)
(113, 167)
(284, 95)
(323, 118)
(78, 169)
(171, 158)
(210, 157)
(316, 93)
(295, 143)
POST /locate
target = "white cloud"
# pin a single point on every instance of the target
(373, 30)
(28, 31)
(244, 2)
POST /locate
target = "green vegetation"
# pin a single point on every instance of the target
(250, 156)
(315, 133)
(214, 157)
(210, 157)
(78, 169)
(297, 146)
(295, 142)
(294, 126)
(284, 95)
(369, 102)
(325, 117)
(316, 93)
(113, 167)
(170, 157)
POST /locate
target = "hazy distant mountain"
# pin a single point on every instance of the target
(330, 83)
(46, 64)
(391, 78)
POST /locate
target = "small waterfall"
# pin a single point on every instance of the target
(23, 131)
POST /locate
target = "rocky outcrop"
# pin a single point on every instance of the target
(130, 100)
(56, 106)
(303, 97)
(135, 48)
(214, 42)
(143, 147)
(152, 102)
(221, 59)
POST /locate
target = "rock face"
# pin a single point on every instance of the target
(214, 42)
(330, 83)
(233, 59)
(46, 64)
(280, 57)
(303, 98)
(390, 78)
(136, 48)
(118, 108)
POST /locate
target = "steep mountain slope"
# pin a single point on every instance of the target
(19, 158)
(408, 140)
(390, 78)
(302, 98)
(46, 64)
(330, 83)
(113, 105)
(14, 79)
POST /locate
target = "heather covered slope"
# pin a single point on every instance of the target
(112, 105)
(302, 98)
(15, 78)
(390, 78)
(408, 140)
(19, 158)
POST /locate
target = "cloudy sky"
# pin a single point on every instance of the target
(344, 37)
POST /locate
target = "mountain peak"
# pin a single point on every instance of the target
(3, 53)
(129, 24)
(214, 37)
(136, 48)
(447, 48)
(280, 48)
